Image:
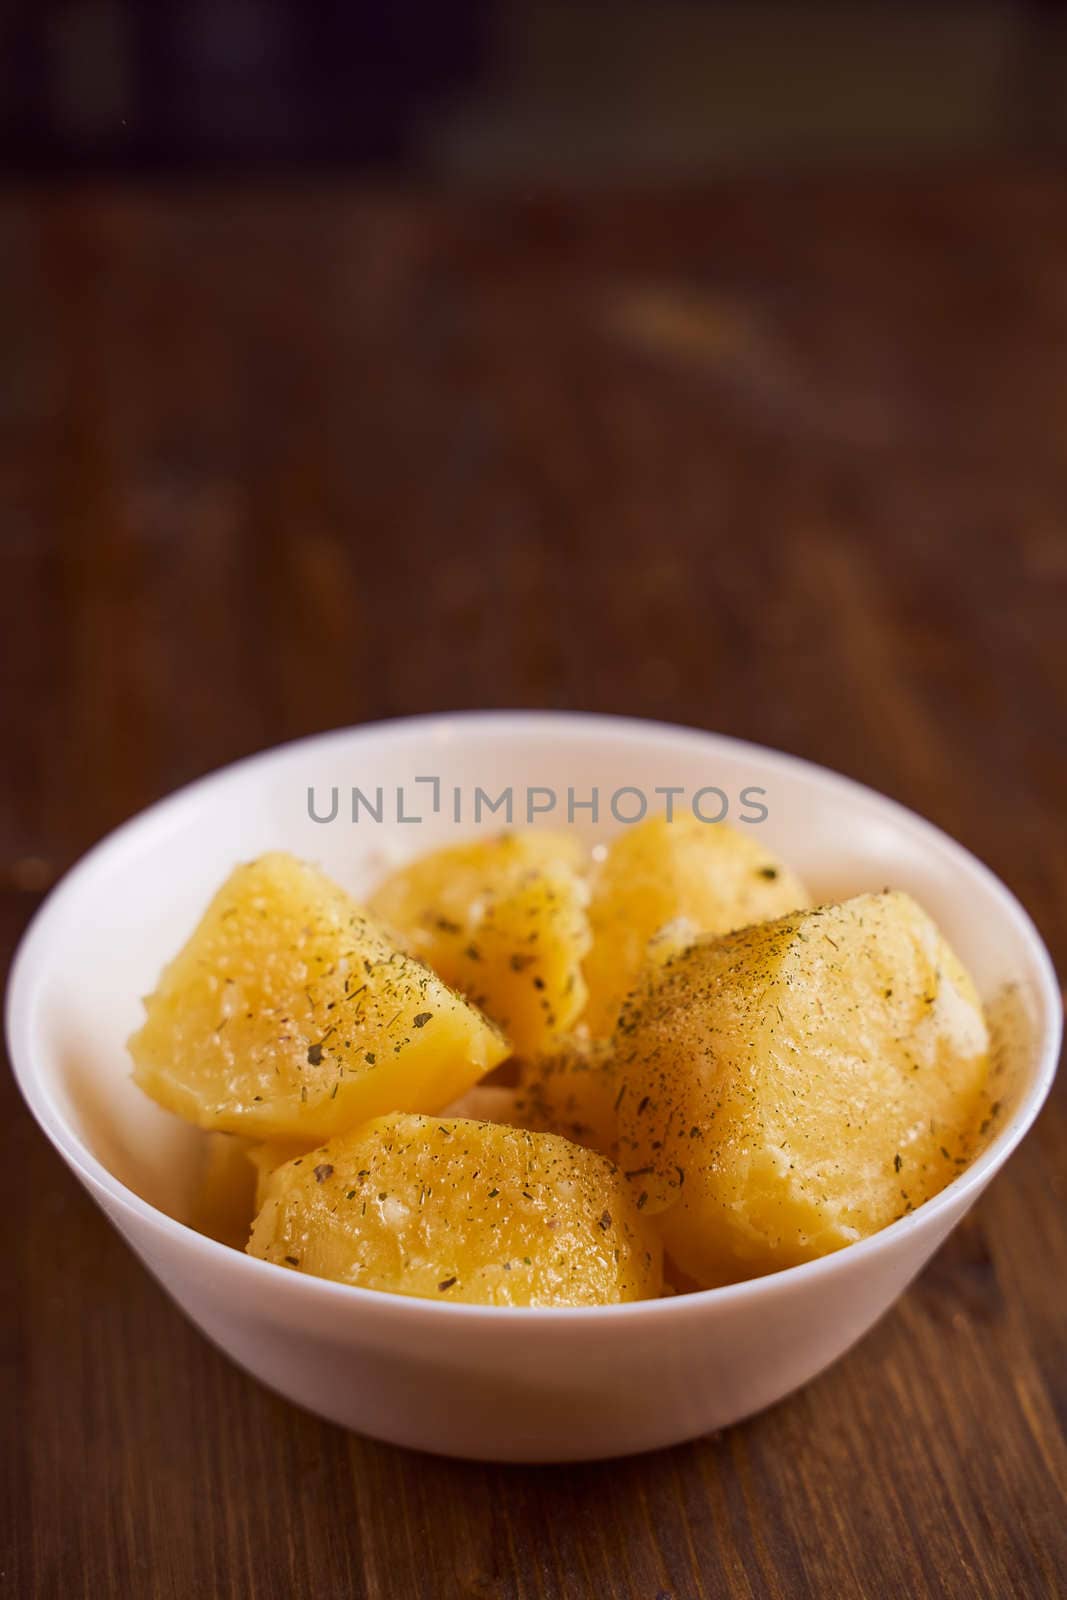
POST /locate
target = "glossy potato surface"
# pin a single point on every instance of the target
(504, 921)
(572, 1090)
(450, 1209)
(795, 1086)
(265, 1158)
(290, 1014)
(708, 874)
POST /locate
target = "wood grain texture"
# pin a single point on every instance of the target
(784, 460)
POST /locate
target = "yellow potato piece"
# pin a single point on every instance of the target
(503, 920)
(267, 1157)
(710, 875)
(572, 1091)
(461, 1211)
(798, 1085)
(289, 1014)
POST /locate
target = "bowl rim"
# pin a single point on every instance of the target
(30, 961)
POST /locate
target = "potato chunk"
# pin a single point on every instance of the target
(572, 1091)
(503, 920)
(458, 1210)
(267, 1157)
(657, 872)
(797, 1085)
(289, 1014)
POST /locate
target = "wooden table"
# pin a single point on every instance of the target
(785, 460)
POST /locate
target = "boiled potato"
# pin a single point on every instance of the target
(289, 1014)
(503, 920)
(569, 1091)
(459, 1210)
(798, 1085)
(708, 874)
(572, 1091)
(267, 1157)
(485, 1102)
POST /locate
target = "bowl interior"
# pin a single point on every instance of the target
(101, 940)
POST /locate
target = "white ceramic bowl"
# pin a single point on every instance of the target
(484, 1382)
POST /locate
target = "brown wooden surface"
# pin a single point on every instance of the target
(785, 461)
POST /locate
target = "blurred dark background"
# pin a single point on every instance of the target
(495, 89)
